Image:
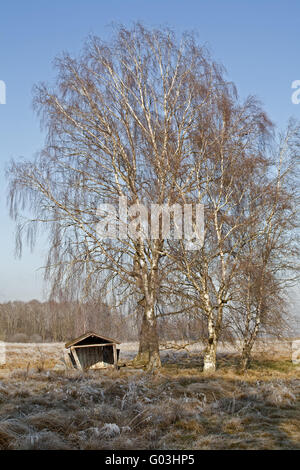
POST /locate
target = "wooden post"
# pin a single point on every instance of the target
(76, 358)
(115, 356)
(67, 359)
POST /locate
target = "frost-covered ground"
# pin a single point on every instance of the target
(170, 410)
(177, 408)
(47, 355)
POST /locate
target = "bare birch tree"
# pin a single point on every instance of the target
(120, 122)
(229, 158)
(269, 264)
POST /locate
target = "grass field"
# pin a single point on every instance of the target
(177, 408)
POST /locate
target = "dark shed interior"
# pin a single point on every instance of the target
(92, 350)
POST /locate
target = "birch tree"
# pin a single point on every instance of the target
(120, 122)
(269, 264)
(230, 161)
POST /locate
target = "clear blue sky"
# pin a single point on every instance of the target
(257, 41)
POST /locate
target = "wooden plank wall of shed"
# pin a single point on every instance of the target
(89, 356)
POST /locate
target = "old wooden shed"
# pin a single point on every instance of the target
(92, 351)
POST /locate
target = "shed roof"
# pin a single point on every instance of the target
(86, 335)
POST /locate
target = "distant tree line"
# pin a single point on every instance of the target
(51, 321)
(36, 321)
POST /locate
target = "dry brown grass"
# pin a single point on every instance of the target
(32, 355)
(178, 408)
